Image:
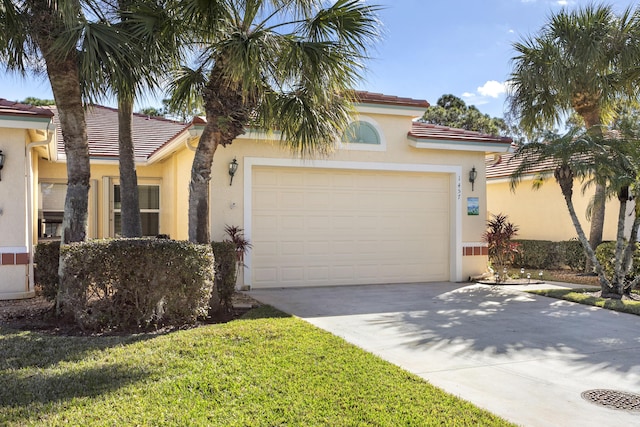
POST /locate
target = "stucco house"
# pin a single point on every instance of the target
(392, 204)
(541, 214)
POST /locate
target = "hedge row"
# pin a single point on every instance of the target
(545, 254)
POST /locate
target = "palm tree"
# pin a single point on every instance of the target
(70, 38)
(149, 24)
(582, 61)
(271, 64)
(29, 32)
(575, 156)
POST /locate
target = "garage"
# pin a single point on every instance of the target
(314, 226)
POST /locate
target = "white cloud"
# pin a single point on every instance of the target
(562, 2)
(492, 89)
(468, 95)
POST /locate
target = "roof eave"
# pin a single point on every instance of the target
(457, 145)
(392, 110)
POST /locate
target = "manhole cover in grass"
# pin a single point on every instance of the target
(613, 399)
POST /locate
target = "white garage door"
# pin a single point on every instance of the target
(316, 227)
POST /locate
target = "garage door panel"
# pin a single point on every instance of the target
(331, 227)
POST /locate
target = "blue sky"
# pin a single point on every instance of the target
(429, 48)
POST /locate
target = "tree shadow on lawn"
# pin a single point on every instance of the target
(23, 349)
(26, 395)
(508, 326)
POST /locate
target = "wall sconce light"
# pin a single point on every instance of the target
(473, 174)
(233, 167)
(1, 163)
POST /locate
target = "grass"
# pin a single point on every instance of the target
(266, 370)
(583, 296)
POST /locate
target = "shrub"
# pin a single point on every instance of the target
(226, 272)
(47, 258)
(135, 283)
(538, 254)
(605, 253)
(573, 254)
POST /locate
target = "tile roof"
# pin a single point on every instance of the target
(379, 98)
(420, 130)
(502, 166)
(11, 108)
(149, 133)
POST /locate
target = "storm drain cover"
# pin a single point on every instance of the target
(613, 399)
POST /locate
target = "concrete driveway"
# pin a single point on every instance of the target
(523, 357)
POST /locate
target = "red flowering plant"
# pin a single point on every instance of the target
(502, 250)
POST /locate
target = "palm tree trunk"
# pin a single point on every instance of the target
(619, 269)
(597, 217)
(130, 206)
(592, 122)
(199, 186)
(64, 77)
(567, 193)
(228, 110)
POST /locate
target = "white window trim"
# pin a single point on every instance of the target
(109, 183)
(354, 146)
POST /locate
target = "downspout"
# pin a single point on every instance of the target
(28, 179)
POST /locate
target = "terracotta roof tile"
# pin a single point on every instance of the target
(11, 108)
(379, 98)
(503, 166)
(149, 133)
(422, 130)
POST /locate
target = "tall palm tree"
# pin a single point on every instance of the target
(582, 61)
(29, 32)
(150, 24)
(578, 155)
(69, 38)
(285, 64)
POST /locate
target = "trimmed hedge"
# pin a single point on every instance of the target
(226, 271)
(545, 254)
(47, 258)
(135, 283)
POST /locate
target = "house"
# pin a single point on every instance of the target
(541, 214)
(393, 203)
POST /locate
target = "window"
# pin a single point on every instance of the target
(51, 209)
(149, 199)
(361, 133)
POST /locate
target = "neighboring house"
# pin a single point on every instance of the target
(541, 214)
(392, 204)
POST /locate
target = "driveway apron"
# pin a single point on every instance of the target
(526, 358)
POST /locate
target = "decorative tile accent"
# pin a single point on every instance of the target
(8, 259)
(475, 250)
(12, 258)
(22, 259)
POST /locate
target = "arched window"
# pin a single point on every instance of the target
(360, 132)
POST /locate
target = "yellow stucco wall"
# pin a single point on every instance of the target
(542, 214)
(227, 202)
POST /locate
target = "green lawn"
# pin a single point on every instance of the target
(266, 370)
(581, 296)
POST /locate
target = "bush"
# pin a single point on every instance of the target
(538, 254)
(47, 258)
(573, 254)
(226, 271)
(135, 283)
(605, 253)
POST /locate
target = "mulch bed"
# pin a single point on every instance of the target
(36, 314)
